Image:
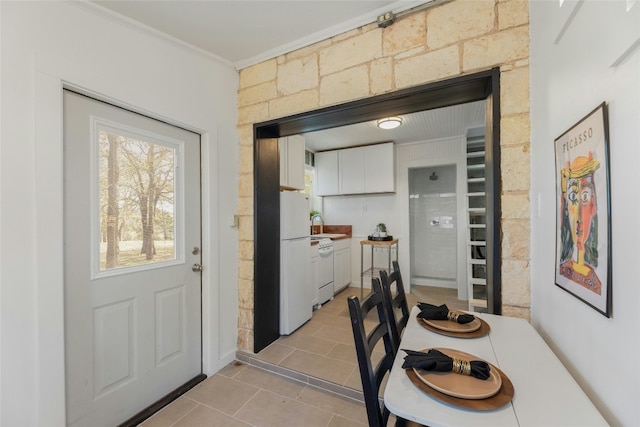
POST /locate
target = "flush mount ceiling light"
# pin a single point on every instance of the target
(389, 122)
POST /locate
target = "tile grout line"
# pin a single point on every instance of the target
(187, 413)
(297, 398)
(342, 391)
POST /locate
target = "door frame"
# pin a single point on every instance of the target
(459, 164)
(483, 85)
(49, 261)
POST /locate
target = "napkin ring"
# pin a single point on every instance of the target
(461, 366)
(453, 316)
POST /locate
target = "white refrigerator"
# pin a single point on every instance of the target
(296, 292)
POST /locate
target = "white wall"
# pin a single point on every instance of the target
(363, 212)
(46, 45)
(433, 247)
(568, 80)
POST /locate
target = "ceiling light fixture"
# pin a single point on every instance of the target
(389, 122)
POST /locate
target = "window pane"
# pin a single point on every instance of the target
(137, 195)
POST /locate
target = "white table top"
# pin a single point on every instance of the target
(545, 393)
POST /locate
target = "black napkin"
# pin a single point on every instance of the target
(432, 312)
(435, 360)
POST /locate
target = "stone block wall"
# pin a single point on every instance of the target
(453, 39)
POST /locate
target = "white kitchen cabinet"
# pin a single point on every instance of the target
(351, 164)
(342, 264)
(326, 173)
(291, 162)
(379, 168)
(358, 170)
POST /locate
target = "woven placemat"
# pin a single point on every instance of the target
(501, 398)
(481, 332)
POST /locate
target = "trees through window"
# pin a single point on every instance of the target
(137, 200)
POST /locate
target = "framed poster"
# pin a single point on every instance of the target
(583, 227)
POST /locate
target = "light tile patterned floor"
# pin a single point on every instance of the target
(241, 394)
(323, 347)
(244, 395)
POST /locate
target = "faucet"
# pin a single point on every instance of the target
(313, 220)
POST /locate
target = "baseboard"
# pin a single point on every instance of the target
(227, 358)
(435, 283)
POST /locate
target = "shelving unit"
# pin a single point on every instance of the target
(476, 225)
(392, 248)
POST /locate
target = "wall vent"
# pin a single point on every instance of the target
(309, 158)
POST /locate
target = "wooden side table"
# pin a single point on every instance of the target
(389, 245)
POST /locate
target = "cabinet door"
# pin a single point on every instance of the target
(295, 162)
(342, 268)
(351, 164)
(282, 149)
(346, 278)
(327, 173)
(379, 168)
(291, 162)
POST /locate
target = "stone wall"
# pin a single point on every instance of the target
(450, 40)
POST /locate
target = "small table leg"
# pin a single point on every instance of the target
(371, 283)
(361, 272)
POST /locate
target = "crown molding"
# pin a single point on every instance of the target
(369, 18)
(143, 28)
(327, 33)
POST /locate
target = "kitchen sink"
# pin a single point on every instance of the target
(326, 236)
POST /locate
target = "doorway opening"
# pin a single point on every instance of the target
(470, 88)
(433, 218)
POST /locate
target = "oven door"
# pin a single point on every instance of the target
(325, 266)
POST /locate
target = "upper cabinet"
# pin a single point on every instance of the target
(351, 166)
(291, 162)
(326, 173)
(379, 168)
(359, 170)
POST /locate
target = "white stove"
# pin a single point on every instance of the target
(325, 270)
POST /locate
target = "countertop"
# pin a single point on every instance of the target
(332, 229)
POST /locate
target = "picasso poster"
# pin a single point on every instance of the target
(583, 228)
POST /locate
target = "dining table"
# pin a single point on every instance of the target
(544, 393)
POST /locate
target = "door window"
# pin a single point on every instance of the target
(137, 199)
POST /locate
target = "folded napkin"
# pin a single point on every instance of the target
(432, 312)
(435, 360)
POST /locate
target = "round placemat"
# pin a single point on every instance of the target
(481, 332)
(451, 326)
(501, 398)
(458, 385)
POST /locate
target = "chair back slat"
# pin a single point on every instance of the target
(371, 377)
(395, 303)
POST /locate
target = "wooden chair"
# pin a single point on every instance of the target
(395, 303)
(365, 342)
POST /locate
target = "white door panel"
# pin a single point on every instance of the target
(132, 300)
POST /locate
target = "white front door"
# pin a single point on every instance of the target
(132, 238)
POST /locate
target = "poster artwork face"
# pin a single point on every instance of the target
(580, 252)
(582, 225)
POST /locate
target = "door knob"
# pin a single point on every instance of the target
(197, 267)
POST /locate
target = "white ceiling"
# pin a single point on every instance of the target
(421, 126)
(242, 33)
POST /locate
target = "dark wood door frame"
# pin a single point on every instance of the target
(474, 87)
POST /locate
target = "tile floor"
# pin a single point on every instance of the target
(245, 395)
(323, 347)
(308, 378)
